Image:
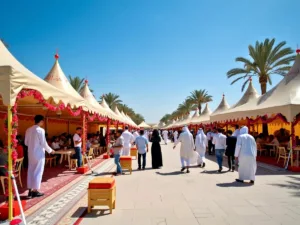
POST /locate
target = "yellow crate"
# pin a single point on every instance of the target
(134, 152)
(102, 197)
(126, 164)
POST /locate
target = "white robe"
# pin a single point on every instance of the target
(246, 151)
(36, 141)
(165, 135)
(201, 143)
(128, 140)
(175, 135)
(187, 145)
(146, 135)
(135, 135)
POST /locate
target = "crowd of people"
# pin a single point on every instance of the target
(239, 146)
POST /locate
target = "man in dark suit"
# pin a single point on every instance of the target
(231, 143)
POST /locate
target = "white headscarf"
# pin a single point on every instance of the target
(200, 131)
(244, 130)
(186, 129)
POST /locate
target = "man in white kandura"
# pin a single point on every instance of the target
(146, 135)
(246, 152)
(135, 134)
(236, 133)
(165, 136)
(175, 135)
(36, 141)
(201, 144)
(186, 149)
(128, 140)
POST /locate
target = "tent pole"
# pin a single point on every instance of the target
(9, 152)
(107, 135)
(84, 132)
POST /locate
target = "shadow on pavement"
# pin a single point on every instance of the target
(170, 173)
(214, 171)
(293, 185)
(234, 184)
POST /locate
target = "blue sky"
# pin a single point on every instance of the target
(151, 53)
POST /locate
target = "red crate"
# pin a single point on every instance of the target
(82, 170)
(16, 209)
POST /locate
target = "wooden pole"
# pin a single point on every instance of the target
(10, 169)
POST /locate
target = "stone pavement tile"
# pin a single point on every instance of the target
(183, 211)
(140, 221)
(181, 221)
(285, 219)
(274, 210)
(247, 211)
(159, 221)
(212, 221)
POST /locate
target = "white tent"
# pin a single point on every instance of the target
(223, 106)
(58, 79)
(241, 108)
(144, 125)
(89, 97)
(204, 118)
(284, 98)
(14, 77)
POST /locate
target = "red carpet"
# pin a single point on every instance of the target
(273, 161)
(54, 178)
(270, 160)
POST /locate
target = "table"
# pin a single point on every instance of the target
(272, 146)
(67, 152)
(297, 149)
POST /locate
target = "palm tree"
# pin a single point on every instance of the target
(199, 97)
(186, 107)
(138, 118)
(266, 59)
(165, 119)
(112, 100)
(76, 82)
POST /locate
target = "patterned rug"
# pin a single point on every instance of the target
(54, 178)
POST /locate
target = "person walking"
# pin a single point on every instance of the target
(165, 134)
(128, 140)
(156, 154)
(35, 140)
(201, 144)
(187, 148)
(245, 153)
(142, 146)
(230, 149)
(175, 135)
(211, 147)
(118, 148)
(219, 140)
(236, 133)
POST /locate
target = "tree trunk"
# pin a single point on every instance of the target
(263, 86)
(199, 107)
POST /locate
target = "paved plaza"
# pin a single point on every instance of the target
(203, 197)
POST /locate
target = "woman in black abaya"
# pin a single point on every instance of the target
(156, 150)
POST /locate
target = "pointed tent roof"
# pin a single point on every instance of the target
(106, 107)
(204, 117)
(144, 125)
(223, 106)
(284, 98)
(89, 97)
(117, 112)
(58, 79)
(245, 103)
(185, 120)
(14, 77)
